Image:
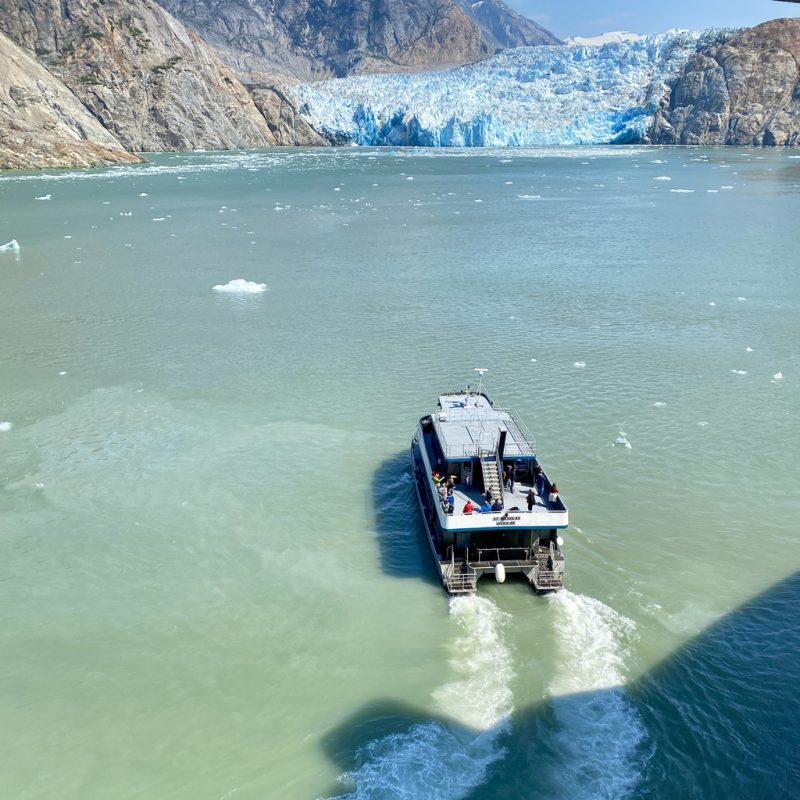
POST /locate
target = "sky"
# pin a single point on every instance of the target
(590, 17)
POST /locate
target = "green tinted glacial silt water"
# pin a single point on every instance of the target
(214, 580)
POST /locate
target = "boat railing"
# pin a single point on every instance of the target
(525, 437)
(489, 554)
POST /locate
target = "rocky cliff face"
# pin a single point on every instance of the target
(505, 26)
(742, 91)
(150, 82)
(313, 39)
(43, 124)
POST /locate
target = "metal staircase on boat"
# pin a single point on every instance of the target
(490, 468)
(545, 577)
(459, 577)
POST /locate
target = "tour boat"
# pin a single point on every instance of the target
(467, 450)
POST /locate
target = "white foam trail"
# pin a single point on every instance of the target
(10, 247)
(600, 736)
(240, 286)
(433, 761)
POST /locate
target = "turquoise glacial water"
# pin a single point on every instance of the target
(214, 580)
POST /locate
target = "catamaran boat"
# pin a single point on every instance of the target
(466, 450)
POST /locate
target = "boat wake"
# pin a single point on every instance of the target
(437, 761)
(600, 738)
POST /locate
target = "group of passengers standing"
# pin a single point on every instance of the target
(446, 491)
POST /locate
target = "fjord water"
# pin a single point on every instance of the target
(214, 579)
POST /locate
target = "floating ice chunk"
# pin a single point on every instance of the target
(741, 299)
(622, 441)
(241, 286)
(529, 197)
(702, 424)
(579, 364)
(659, 404)
(712, 303)
(126, 213)
(662, 178)
(5, 426)
(10, 247)
(43, 197)
(67, 236)
(682, 191)
(748, 349)
(337, 189)
(712, 191)
(409, 178)
(509, 183)
(63, 372)
(533, 360)
(158, 219)
(142, 194)
(726, 187)
(778, 376)
(739, 371)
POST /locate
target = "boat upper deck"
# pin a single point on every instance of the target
(467, 425)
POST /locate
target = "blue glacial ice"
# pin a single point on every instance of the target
(528, 96)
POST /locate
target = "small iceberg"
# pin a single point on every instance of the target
(579, 364)
(662, 178)
(739, 371)
(5, 426)
(659, 404)
(43, 197)
(10, 247)
(778, 376)
(622, 441)
(240, 286)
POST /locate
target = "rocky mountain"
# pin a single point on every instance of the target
(315, 39)
(505, 26)
(744, 90)
(43, 124)
(148, 80)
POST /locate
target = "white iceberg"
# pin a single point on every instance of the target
(5, 426)
(10, 247)
(778, 376)
(240, 286)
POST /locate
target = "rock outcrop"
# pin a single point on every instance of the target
(287, 127)
(150, 81)
(42, 124)
(315, 39)
(741, 90)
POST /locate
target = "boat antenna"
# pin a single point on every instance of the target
(481, 371)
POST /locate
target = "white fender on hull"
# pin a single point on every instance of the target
(499, 573)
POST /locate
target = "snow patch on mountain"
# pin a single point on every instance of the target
(527, 96)
(611, 37)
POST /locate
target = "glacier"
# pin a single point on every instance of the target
(524, 97)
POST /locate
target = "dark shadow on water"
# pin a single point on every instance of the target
(720, 716)
(401, 535)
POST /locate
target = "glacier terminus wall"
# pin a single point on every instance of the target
(527, 96)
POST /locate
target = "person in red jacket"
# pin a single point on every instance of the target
(468, 507)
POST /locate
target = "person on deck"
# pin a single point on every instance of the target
(531, 498)
(486, 508)
(553, 494)
(468, 507)
(497, 505)
(510, 469)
